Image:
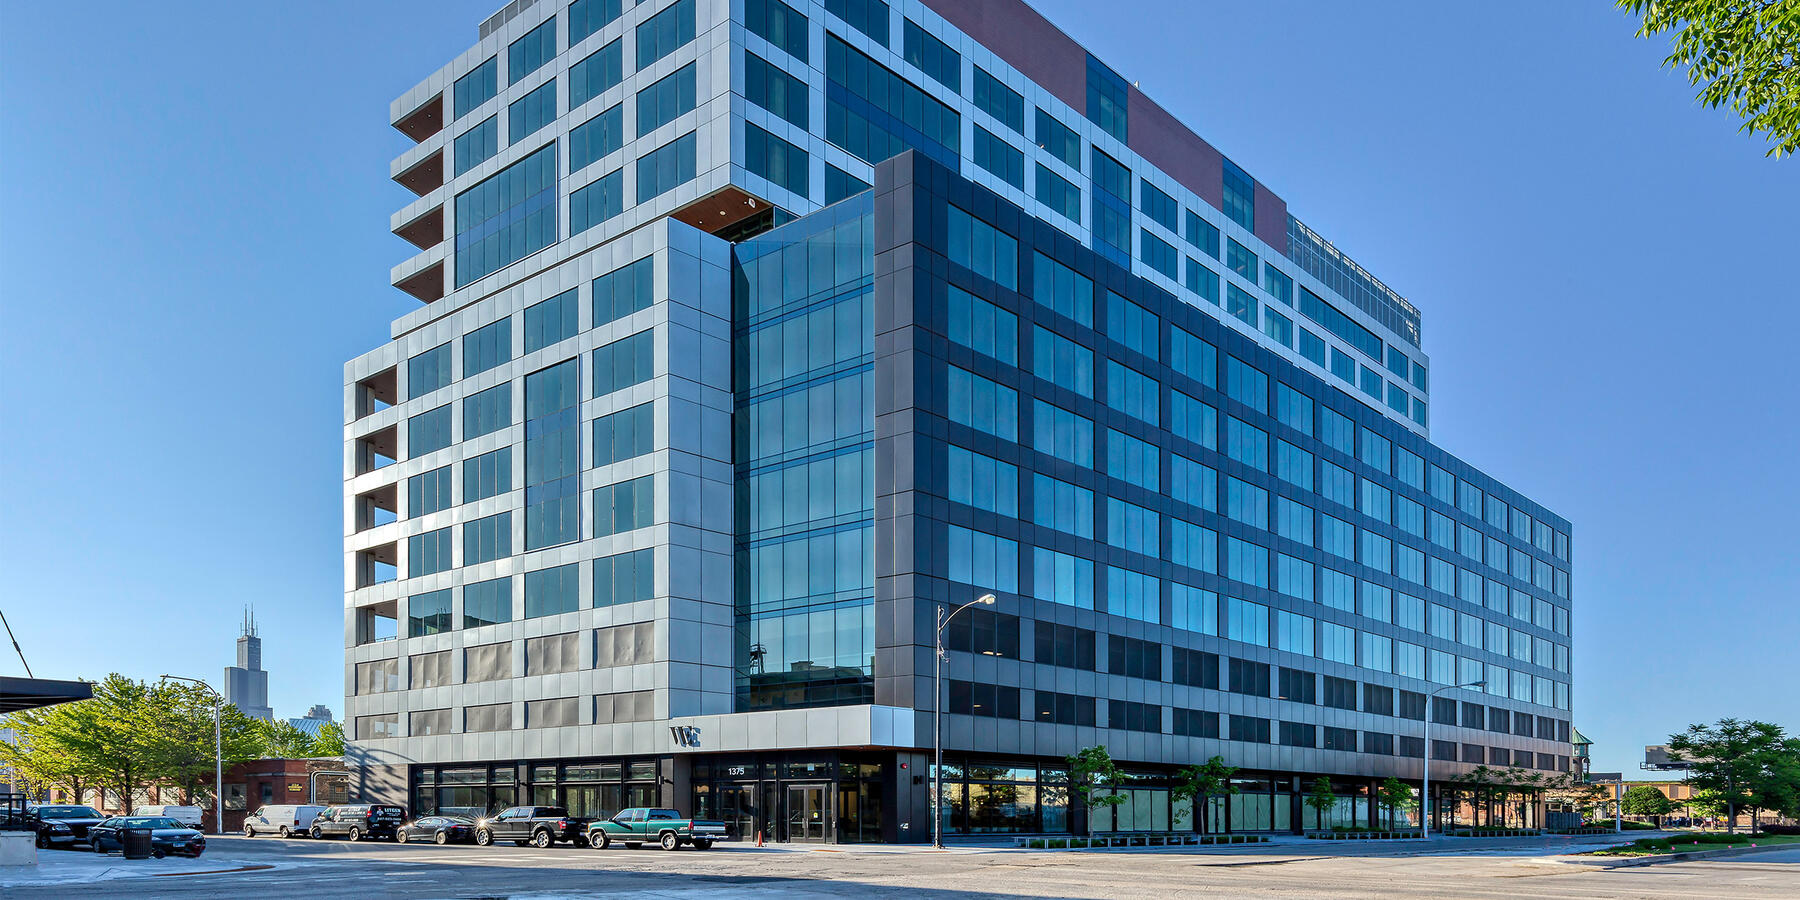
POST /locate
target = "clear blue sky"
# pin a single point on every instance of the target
(193, 238)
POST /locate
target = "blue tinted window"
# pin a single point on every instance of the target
(487, 475)
(1133, 325)
(982, 560)
(1106, 105)
(1158, 206)
(428, 492)
(982, 482)
(549, 321)
(487, 539)
(1193, 483)
(982, 404)
(625, 578)
(428, 553)
(1246, 443)
(1203, 235)
(1158, 255)
(589, 16)
(1278, 327)
(1058, 194)
(772, 89)
(1112, 209)
(1062, 289)
(1062, 506)
(777, 23)
(487, 346)
(1315, 308)
(552, 591)
(1202, 281)
(529, 53)
(428, 371)
(1136, 596)
(665, 32)
(625, 506)
(1311, 347)
(1278, 284)
(428, 432)
(983, 249)
(1132, 392)
(428, 613)
(552, 457)
(1293, 465)
(785, 165)
(1195, 547)
(1000, 158)
(875, 114)
(623, 363)
(597, 137)
(1246, 384)
(507, 217)
(1060, 140)
(983, 327)
(660, 103)
(840, 184)
(1239, 303)
(1192, 420)
(1343, 366)
(625, 434)
(1193, 357)
(999, 101)
(596, 74)
(477, 145)
(1129, 459)
(487, 411)
(596, 201)
(625, 290)
(531, 112)
(666, 168)
(1062, 362)
(931, 56)
(1240, 196)
(1061, 578)
(476, 88)
(1062, 434)
(867, 16)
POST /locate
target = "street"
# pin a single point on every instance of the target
(1504, 870)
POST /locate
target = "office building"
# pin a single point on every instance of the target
(246, 684)
(753, 335)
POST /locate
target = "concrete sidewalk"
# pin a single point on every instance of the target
(85, 866)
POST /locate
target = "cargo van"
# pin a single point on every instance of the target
(287, 820)
(186, 815)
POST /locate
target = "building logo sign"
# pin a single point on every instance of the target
(685, 735)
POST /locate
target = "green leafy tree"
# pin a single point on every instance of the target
(1644, 800)
(178, 726)
(1742, 54)
(1395, 794)
(329, 741)
(1708, 803)
(281, 739)
(1747, 762)
(1201, 783)
(1095, 778)
(40, 754)
(1321, 800)
(107, 733)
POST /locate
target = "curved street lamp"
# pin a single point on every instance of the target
(937, 717)
(218, 754)
(1425, 790)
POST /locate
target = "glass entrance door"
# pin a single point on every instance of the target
(807, 816)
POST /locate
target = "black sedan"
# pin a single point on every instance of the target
(61, 825)
(441, 829)
(167, 836)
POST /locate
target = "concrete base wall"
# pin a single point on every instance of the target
(18, 848)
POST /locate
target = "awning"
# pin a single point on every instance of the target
(19, 694)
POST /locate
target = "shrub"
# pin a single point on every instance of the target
(1781, 829)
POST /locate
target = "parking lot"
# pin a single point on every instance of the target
(272, 867)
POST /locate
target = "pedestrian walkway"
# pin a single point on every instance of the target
(83, 866)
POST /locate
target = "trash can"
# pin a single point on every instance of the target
(135, 843)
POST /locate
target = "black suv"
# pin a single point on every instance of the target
(539, 826)
(371, 820)
(61, 825)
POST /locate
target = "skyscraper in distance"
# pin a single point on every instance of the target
(753, 334)
(246, 684)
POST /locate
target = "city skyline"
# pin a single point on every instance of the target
(1455, 423)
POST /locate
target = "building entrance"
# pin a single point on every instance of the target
(808, 813)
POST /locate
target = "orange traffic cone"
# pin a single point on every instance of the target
(759, 837)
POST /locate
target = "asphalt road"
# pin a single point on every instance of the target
(301, 868)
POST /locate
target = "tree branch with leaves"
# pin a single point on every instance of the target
(1742, 54)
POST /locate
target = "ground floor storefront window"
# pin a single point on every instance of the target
(813, 798)
(586, 788)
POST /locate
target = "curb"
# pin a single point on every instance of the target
(1629, 861)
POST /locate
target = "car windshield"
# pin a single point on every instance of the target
(146, 822)
(68, 812)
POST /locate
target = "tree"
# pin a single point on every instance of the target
(1094, 777)
(40, 756)
(1200, 783)
(178, 724)
(107, 734)
(1394, 794)
(1644, 800)
(1708, 803)
(1749, 763)
(1321, 800)
(1744, 54)
(282, 740)
(329, 741)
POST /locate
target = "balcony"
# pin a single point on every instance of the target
(423, 122)
(426, 231)
(377, 392)
(425, 176)
(377, 507)
(377, 565)
(426, 284)
(377, 449)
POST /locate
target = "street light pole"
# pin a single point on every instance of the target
(218, 754)
(1425, 787)
(937, 719)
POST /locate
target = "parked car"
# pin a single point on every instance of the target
(666, 827)
(373, 820)
(191, 816)
(167, 836)
(539, 826)
(286, 820)
(61, 825)
(440, 829)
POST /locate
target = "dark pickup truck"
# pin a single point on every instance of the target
(539, 826)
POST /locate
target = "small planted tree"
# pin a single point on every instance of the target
(1321, 800)
(1200, 783)
(1644, 800)
(1395, 794)
(1094, 777)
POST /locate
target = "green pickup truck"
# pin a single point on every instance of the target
(666, 827)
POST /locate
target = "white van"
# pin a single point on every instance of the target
(286, 821)
(186, 815)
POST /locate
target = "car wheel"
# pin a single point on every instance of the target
(599, 840)
(540, 839)
(483, 837)
(286, 832)
(249, 831)
(43, 841)
(95, 843)
(669, 841)
(703, 845)
(442, 837)
(402, 835)
(318, 835)
(158, 853)
(354, 834)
